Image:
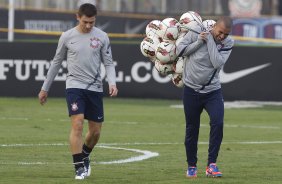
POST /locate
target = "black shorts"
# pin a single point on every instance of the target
(89, 103)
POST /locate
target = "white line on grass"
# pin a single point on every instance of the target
(145, 154)
(14, 118)
(103, 145)
(63, 120)
(240, 104)
(244, 126)
(135, 123)
(177, 143)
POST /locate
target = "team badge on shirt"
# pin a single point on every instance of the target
(220, 46)
(74, 107)
(95, 42)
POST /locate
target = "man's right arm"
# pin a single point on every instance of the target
(189, 44)
(55, 64)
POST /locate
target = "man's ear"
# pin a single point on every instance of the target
(77, 17)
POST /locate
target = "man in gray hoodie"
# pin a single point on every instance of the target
(86, 48)
(205, 54)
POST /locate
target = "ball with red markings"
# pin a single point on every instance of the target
(166, 52)
(169, 29)
(153, 28)
(177, 80)
(148, 46)
(164, 69)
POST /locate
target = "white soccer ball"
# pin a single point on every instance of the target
(177, 80)
(169, 29)
(178, 65)
(153, 59)
(180, 38)
(164, 69)
(153, 28)
(208, 24)
(188, 17)
(148, 46)
(166, 52)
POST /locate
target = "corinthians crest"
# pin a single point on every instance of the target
(74, 106)
(95, 42)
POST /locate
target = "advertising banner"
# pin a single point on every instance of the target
(258, 27)
(251, 73)
(59, 22)
(270, 27)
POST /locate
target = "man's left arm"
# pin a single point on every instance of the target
(109, 66)
(219, 57)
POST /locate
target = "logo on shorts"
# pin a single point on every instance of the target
(74, 107)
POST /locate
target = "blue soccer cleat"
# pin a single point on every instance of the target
(191, 172)
(213, 171)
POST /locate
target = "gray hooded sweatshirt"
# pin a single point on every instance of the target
(85, 52)
(203, 60)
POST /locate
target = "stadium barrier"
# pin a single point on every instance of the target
(252, 73)
(47, 24)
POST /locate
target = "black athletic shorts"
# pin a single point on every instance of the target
(89, 103)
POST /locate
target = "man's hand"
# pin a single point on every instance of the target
(113, 90)
(203, 36)
(42, 96)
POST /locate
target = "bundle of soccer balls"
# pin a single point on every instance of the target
(162, 38)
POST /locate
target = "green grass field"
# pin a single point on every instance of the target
(34, 144)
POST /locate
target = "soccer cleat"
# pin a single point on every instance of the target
(87, 166)
(80, 173)
(191, 172)
(213, 171)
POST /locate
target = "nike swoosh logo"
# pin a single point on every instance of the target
(135, 29)
(103, 26)
(229, 77)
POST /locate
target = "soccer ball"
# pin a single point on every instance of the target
(177, 80)
(208, 24)
(166, 52)
(153, 28)
(188, 17)
(153, 59)
(169, 29)
(180, 38)
(148, 46)
(191, 26)
(178, 65)
(164, 69)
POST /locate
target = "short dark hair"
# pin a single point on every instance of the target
(227, 21)
(87, 9)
